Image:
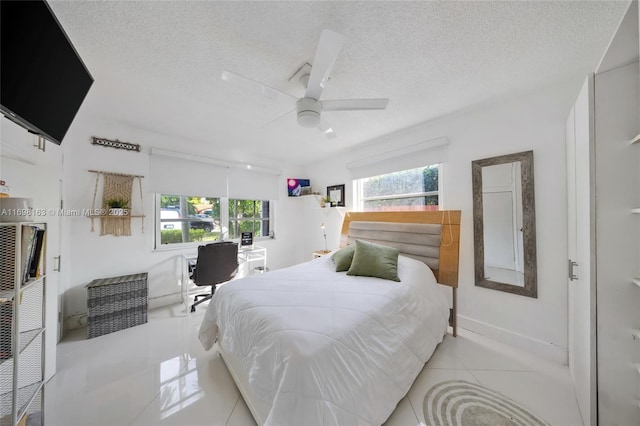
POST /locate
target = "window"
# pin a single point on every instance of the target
(414, 189)
(192, 219)
(248, 216)
(186, 219)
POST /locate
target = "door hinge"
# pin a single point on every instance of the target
(572, 266)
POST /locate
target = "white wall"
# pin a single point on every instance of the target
(532, 122)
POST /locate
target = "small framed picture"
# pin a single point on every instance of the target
(336, 194)
(246, 239)
(298, 187)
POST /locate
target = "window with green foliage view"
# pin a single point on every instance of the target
(248, 216)
(186, 219)
(193, 219)
(414, 189)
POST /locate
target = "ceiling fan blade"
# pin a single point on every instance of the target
(328, 48)
(354, 104)
(326, 129)
(278, 118)
(254, 86)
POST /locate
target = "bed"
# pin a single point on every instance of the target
(308, 345)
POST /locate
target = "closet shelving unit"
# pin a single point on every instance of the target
(22, 324)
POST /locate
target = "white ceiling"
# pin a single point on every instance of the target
(157, 65)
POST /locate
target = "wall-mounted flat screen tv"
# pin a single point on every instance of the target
(44, 81)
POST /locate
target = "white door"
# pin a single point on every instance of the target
(580, 211)
(49, 198)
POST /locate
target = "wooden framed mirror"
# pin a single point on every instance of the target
(504, 224)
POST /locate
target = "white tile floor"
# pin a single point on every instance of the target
(158, 374)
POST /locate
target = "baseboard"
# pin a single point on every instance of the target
(164, 300)
(529, 344)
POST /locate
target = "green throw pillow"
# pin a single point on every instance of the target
(342, 258)
(374, 260)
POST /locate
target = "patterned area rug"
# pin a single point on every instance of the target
(460, 403)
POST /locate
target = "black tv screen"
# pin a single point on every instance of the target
(43, 79)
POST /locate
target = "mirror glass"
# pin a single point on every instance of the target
(504, 223)
(502, 213)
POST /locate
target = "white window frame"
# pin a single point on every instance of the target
(224, 221)
(359, 199)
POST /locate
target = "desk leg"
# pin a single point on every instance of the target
(184, 285)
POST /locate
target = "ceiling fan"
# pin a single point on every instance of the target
(309, 108)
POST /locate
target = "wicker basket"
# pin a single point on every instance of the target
(116, 303)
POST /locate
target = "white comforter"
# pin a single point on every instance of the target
(326, 348)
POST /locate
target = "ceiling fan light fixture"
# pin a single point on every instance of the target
(308, 119)
(313, 78)
(308, 112)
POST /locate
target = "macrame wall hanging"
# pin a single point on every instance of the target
(117, 189)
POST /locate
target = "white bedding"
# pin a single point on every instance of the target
(322, 347)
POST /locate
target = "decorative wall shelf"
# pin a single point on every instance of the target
(635, 211)
(636, 281)
(116, 187)
(636, 139)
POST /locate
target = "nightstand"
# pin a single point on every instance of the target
(320, 253)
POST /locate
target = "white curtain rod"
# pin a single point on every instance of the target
(215, 161)
(405, 150)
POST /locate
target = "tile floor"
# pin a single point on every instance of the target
(158, 374)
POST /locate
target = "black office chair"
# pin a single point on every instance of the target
(217, 263)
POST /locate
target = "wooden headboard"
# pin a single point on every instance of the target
(447, 272)
(447, 231)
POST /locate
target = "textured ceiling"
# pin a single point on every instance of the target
(157, 65)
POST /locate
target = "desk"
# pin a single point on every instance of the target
(254, 258)
(251, 260)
